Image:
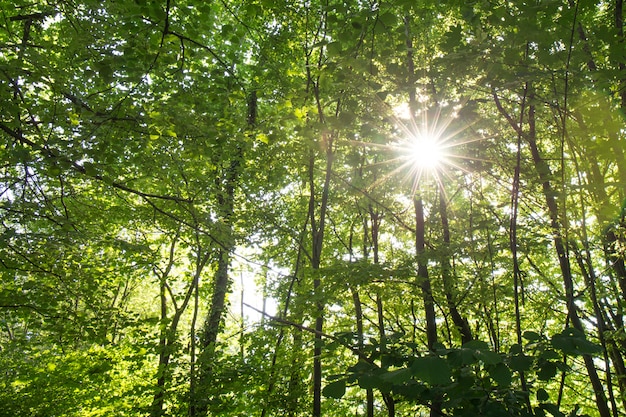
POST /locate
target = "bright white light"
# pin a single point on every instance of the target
(425, 152)
(425, 145)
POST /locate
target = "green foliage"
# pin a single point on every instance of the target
(91, 380)
(473, 379)
(147, 147)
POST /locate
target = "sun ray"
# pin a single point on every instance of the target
(424, 146)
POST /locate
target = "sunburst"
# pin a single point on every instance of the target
(426, 147)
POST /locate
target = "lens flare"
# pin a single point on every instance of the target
(426, 152)
(424, 145)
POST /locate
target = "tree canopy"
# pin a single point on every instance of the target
(320, 208)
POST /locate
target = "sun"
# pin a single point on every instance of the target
(423, 155)
(422, 145)
(425, 152)
(425, 145)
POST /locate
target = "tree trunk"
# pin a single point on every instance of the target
(422, 275)
(164, 358)
(544, 173)
(168, 333)
(358, 312)
(317, 229)
(227, 186)
(459, 321)
(609, 346)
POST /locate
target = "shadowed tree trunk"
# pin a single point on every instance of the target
(317, 230)
(227, 186)
(168, 335)
(422, 275)
(459, 321)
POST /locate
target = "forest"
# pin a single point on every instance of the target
(312, 208)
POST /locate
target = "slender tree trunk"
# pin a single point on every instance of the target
(193, 349)
(356, 299)
(317, 229)
(544, 172)
(165, 337)
(490, 309)
(459, 321)
(390, 402)
(221, 286)
(168, 336)
(422, 274)
(586, 267)
(388, 399)
(422, 263)
(317, 235)
(295, 386)
(318, 224)
(424, 283)
(517, 273)
(227, 186)
(358, 312)
(164, 358)
(281, 334)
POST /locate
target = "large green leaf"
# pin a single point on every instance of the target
(501, 374)
(573, 342)
(520, 362)
(432, 370)
(336, 389)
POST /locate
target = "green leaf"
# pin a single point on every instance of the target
(476, 345)
(531, 336)
(542, 395)
(501, 374)
(263, 138)
(334, 49)
(549, 354)
(432, 370)
(335, 389)
(461, 357)
(490, 357)
(398, 376)
(573, 342)
(520, 363)
(388, 19)
(547, 371)
(369, 381)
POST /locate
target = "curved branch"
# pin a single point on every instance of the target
(55, 154)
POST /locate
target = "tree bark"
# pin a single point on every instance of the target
(168, 335)
(422, 275)
(459, 321)
(226, 186)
